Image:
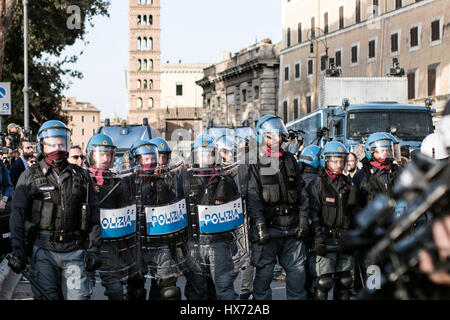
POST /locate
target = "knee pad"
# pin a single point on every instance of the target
(323, 285)
(171, 293)
(345, 280)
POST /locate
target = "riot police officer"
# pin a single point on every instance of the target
(333, 199)
(276, 226)
(218, 241)
(379, 170)
(162, 219)
(309, 170)
(115, 192)
(433, 147)
(164, 150)
(50, 203)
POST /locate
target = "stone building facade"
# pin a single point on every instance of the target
(363, 36)
(243, 86)
(84, 120)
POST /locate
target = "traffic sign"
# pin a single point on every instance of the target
(5, 98)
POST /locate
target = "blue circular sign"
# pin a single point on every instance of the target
(2, 92)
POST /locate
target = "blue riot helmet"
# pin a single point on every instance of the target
(310, 155)
(164, 150)
(145, 154)
(333, 149)
(53, 141)
(227, 148)
(270, 125)
(382, 144)
(100, 151)
(204, 152)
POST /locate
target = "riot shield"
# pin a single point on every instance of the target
(218, 239)
(115, 191)
(163, 219)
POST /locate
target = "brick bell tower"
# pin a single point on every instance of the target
(143, 74)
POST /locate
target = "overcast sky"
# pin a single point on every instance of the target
(192, 31)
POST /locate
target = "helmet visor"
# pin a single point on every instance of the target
(55, 139)
(274, 126)
(203, 158)
(101, 157)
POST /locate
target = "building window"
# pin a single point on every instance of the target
(308, 104)
(150, 103)
(323, 62)
(138, 84)
(150, 44)
(375, 8)
(295, 108)
(71, 118)
(93, 131)
(150, 65)
(139, 103)
(372, 49)
(297, 71)
(139, 21)
(341, 17)
(398, 4)
(394, 42)
(286, 73)
(412, 85)
(256, 91)
(310, 67)
(150, 19)
(354, 58)
(299, 33)
(150, 84)
(144, 65)
(93, 119)
(285, 111)
(139, 43)
(338, 58)
(313, 28)
(288, 37)
(82, 118)
(139, 64)
(244, 95)
(179, 89)
(325, 22)
(82, 132)
(414, 33)
(144, 21)
(432, 80)
(435, 30)
(145, 84)
(358, 11)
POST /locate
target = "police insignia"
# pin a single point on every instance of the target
(162, 145)
(148, 147)
(105, 142)
(331, 200)
(47, 196)
(205, 143)
(340, 149)
(278, 125)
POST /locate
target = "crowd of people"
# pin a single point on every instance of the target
(208, 220)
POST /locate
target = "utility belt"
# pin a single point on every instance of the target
(59, 237)
(162, 240)
(334, 233)
(205, 239)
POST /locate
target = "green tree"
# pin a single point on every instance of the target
(53, 26)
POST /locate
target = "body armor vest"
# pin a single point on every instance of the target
(335, 204)
(57, 207)
(375, 185)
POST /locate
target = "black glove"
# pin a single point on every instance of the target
(17, 261)
(302, 230)
(93, 260)
(262, 233)
(321, 249)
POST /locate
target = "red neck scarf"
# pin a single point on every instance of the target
(97, 174)
(380, 166)
(333, 175)
(271, 153)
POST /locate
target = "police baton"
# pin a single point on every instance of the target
(34, 283)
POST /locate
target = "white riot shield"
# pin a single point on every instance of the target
(218, 239)
(115, 191)
(163, 215)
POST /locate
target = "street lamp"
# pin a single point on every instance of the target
(314, 38)
(26, 110)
